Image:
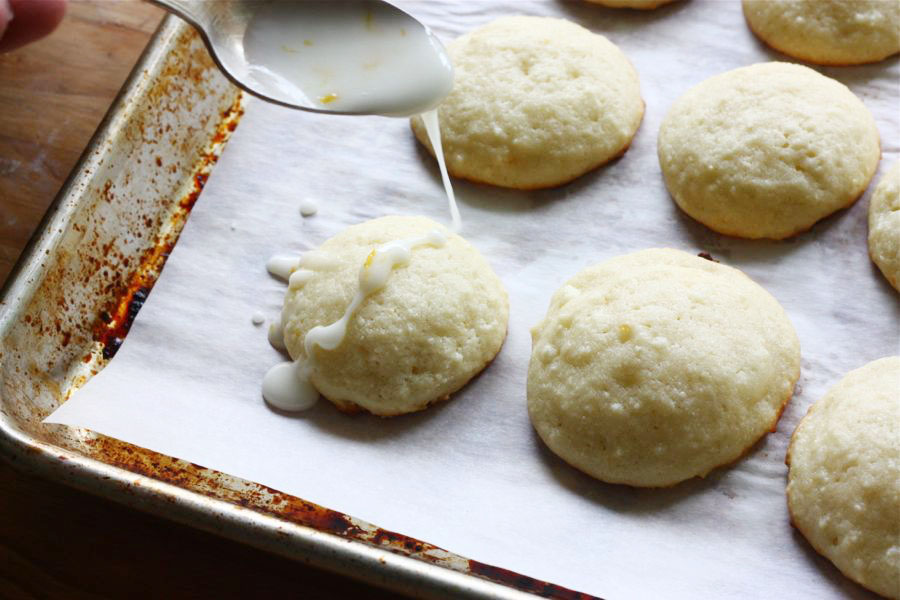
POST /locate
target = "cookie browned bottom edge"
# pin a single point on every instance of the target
(543, 185)
(891, 279)
(894, 281)
(350, 408)
(797, 231)
(743, 452)
(793, 521)
(808, 57)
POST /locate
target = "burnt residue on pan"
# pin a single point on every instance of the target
(269, 501)
(252, 496)
(114, 320)
(95, 259)
(537, 587)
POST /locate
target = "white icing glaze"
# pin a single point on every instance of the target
(299, 278)
(281, 266)
(308, 208)
(276, 335)
(430, 120)
(349, 56)
(258, 318)
(372, 277)
(352, 56)
(286, 386)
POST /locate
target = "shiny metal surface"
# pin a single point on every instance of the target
(71, 298)
(222, 24)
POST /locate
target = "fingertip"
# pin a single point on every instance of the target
(54, 11)
(29, 20)
(5, 15)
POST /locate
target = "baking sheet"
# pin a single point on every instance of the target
(470, 475)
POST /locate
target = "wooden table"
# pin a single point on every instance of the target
(56, 542)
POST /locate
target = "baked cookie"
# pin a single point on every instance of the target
(884, 225)
(658, 366)
(828, 32)
(637, 4)
(536, 102)
(439, 320)
(843, 486)
(767, 150)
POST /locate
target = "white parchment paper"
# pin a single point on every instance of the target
(470, 475)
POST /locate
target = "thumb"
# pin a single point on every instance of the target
(5, 16)
(24, 21)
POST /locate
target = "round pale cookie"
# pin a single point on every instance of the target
(767, 150)
(636, 4)
(438, 321)
(884, 225)
(658, 366)
(536, 102)
(827, 32)
(843, 487)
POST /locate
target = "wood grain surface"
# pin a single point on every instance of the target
(56, 542)
(52, 96)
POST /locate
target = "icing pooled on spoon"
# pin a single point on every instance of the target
(347, 57)
(352, 56)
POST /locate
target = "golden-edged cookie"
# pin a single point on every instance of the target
(767, 150)
(884, 225)
(844, 480)
(828, 32)
(438, 321)
(658, 366)
(536, 102)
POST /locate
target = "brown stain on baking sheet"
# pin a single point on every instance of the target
(524, 583)
(115, 320)
(272, 502)
(252, 496)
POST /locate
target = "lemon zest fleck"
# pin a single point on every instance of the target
(369, 259)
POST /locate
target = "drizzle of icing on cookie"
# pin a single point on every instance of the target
(286, 386)
(281, 266)
(276, 335)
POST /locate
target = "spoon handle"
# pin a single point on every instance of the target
(195, 12)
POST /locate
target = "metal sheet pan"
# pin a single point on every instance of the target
(71, 299)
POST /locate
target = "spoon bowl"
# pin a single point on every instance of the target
(325, 56)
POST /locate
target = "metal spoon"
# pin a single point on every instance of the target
(326, 56)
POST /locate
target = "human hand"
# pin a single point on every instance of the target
(24, 21)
